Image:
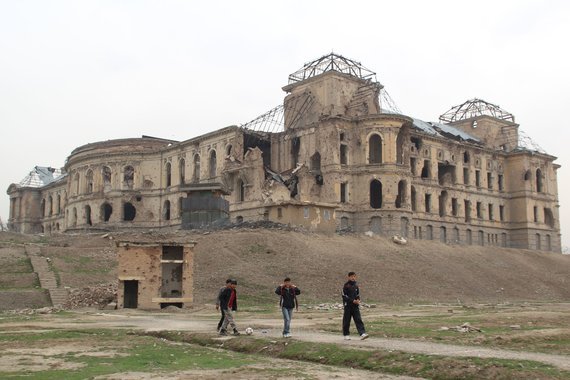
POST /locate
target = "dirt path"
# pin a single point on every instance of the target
(303, 329)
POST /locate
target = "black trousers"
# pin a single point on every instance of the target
(352, 311)
(221, 319)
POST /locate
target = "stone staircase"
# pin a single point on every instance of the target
(46, 275)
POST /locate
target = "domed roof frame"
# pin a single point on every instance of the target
(473, 108)
(331, 62)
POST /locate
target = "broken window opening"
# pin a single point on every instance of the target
(106, 211)
(427, 199)
(375, 149)
(527, 175)
(466, 176)
(50, 206)
(344, 223)
(376, 194)
(89, 181)
(401, 199)
(479, 210)
(454, 206)
(129, 176)
(404, 226)
(535, 214)
(416, 144)
(429, 232)
(413, 198)
(466, 157)
(343, 154)
(501, 182)
(241, 190)
(180, 210)
(172, 272)
(88, 215)
(166, 210)
(343, 192)
(255, 141)
(491, 212)
(538, 181)
(469, 237)
(213, 164)
(443, 204)
(443, 234)
(456, 236)
(478, 178)
(172, 253)
(182, 171)
(400, 142)
(129, 212)
(481, 238)
(341, 136)
(229, 150)
(446, 174)
(413, 166)
(279, 212)
(467, 210)
(168, 171)
(548, 217)
(489, 181)
(501, 213)
(548, 243)
(74, 217)
(295, 149)
(239, 219)
(538, 245)
(77, 184)
(316, 162)
(43, 208)
(196, 177)
(426, 172)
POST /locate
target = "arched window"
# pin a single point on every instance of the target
(168, 173)
(50, 206)
(182, 171)
(58, 204)
(196, 177)
(401, 199)
(106, 211)
(241, 190)
(129, 212)
(376, 194)
(538, 181)
(316, 162)
(213, 163)
(88, 215)
(43, 208)
(228, 150)
(76, 183)
(89, 182)
(375, 149)
(129, 177)
(166, 210)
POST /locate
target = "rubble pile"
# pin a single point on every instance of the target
(336, 306)
(464, 328)
(27, 311)
(98, 295)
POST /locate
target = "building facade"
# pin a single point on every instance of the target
(336, 155)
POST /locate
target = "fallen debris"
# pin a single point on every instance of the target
(98, 295)
(464, 328)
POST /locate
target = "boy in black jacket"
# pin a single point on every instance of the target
(288, 301)
(228, 303)
(351, 301)
(218, 304)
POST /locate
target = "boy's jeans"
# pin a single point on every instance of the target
(287, 315)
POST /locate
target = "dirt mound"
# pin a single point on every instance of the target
(98, 296)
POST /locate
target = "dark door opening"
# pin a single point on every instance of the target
(131, 292)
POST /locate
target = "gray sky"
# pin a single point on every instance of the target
(77, 72)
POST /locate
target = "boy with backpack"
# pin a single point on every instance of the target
(288, 301)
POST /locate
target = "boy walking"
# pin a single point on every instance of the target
(351, 301)
(288, 301)
(218, 304)
(228, 303)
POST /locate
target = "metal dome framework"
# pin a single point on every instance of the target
(331, 62)
(473, 108)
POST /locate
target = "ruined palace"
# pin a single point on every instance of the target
(336, 155)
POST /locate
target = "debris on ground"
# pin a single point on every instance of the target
(464, 328)
(98, 295)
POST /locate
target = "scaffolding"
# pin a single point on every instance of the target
(41, 176)
(331, 62)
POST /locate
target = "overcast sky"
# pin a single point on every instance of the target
(77, 72)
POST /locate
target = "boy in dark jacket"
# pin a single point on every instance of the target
(218, 304)
(351, 301)
(288, 301)
(228, 303)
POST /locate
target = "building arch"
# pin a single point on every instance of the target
(196, 175)
(539, 186)
(376, 194)
(402, 197)
(168, 174)
(375, 148)
(106, 211)
(129, 212)
(107, 177)
(89, 181)
(129, 176)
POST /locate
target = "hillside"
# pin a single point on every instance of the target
(422, 271)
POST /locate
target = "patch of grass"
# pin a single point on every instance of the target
(394, 362)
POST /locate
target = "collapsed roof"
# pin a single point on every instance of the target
(41, 176)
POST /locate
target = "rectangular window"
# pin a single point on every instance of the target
(535, 210)
(502, 213)
(479, 211)
(478, 178)
(466, 176)
(343, 154)
(306, 212)
(491, 216)
(343, 193)
(327, 214)
(454, 206)
(413, 165)
(501, 182)
(467, 210)
(489, 181)
(279, 212)
(428, 202)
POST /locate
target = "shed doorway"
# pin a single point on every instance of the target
(131, 292)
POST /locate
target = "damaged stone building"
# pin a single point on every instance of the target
(336, 155)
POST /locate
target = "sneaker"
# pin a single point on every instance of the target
(236, 333)
(363, 336)
(287, 335)
(347, 337)
(223, 333)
